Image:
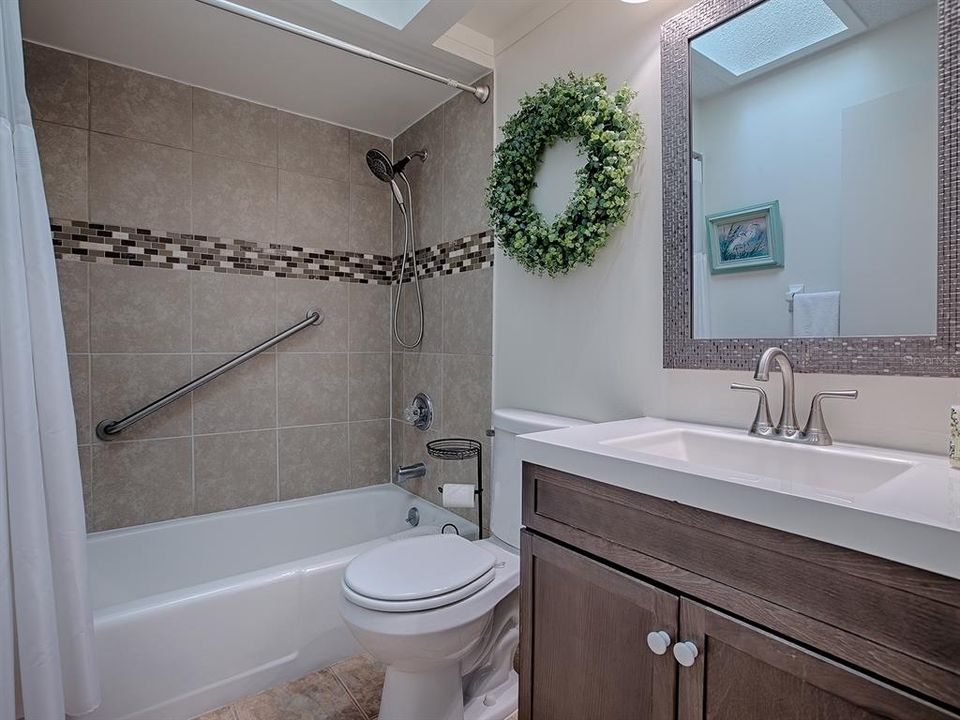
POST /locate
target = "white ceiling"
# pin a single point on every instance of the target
(204, 46)
(506, 21)
(709, 78)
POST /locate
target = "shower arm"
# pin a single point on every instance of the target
(480, 92)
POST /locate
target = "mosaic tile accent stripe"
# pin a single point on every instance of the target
(473, 252)
(933, 356)
(77, 240)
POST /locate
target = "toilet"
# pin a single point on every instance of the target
(442, 612)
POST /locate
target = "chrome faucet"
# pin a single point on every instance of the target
(787, 425)
(787, 428)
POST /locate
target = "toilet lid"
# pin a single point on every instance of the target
(417, 568)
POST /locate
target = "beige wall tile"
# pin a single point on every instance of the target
(468, 312)
(232, 313)
(56, 85)
(63, 164)
(138, 183)
(313, 212)
(431, 290)
(234, 128)
(413, 449)
(369, 317)
(314, 147)
(80, 391)
(422, 373)
(122, 384)
(313, 460)
(360, 143)
(139, 310)
(467, 161)
(235, 470)
(312, 388)
(396, 372)
(426, 180)
(369, 453)
(396, 445)
(234, 199)
(245, 398)
(137, 105)
(75, 304)
(369, 386)
(140, 482)
(297, 297)
(370, 225)
(466, 395)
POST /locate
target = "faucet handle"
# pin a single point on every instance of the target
(762, 422)
(816, 433)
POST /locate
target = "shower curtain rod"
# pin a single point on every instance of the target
(480, 92)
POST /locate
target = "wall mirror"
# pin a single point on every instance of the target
(811, 184)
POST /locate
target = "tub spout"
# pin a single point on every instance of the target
(409, 472)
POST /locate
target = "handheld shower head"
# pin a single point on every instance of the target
(383, 169)
(380, 165)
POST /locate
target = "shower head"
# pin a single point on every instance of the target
(382, 168)
(380, 165)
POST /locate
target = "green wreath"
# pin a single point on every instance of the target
(611, 138)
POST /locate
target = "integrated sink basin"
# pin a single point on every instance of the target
(834, 470)
(898, 505)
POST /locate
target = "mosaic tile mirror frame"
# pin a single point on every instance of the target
(935, 356)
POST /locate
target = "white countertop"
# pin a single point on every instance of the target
(913, 518)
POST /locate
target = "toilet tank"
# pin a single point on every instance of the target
(507, 466)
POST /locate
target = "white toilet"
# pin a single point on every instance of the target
(442, 612)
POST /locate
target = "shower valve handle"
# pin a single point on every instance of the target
(419, 413)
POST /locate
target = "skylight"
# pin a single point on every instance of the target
(396, 13)
(767, 33)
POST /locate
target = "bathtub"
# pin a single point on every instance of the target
(192, 614)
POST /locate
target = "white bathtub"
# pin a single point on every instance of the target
(192, 614)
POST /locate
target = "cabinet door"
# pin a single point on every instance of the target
(583, 639)
(740, 672)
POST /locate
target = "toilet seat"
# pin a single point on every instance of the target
(419, 573)
(428, 603)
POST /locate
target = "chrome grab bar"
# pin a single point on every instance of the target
(107, 429)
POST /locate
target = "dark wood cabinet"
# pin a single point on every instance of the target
(589, 625)
(763, 625)
(742, 672)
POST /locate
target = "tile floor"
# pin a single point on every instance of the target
(349, 690)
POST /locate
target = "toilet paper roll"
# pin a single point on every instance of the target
(456, 495)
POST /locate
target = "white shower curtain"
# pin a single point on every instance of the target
(46, 628)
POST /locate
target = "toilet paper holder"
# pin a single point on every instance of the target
(462, 449)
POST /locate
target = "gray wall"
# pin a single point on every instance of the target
(123, 148)
(453, 364)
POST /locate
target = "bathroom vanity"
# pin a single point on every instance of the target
(662, 582)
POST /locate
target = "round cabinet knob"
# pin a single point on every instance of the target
(685, 653)
(658, 641)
